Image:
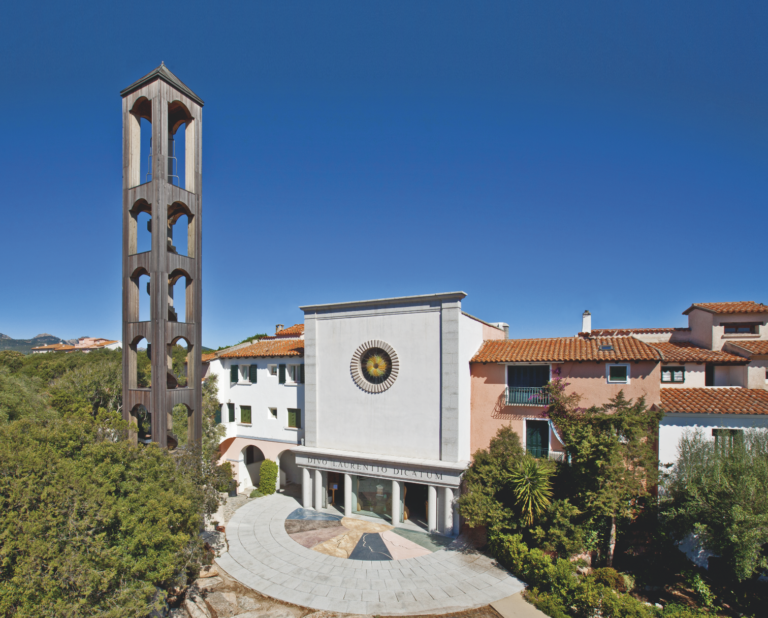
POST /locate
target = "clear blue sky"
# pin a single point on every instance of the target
(544, 157)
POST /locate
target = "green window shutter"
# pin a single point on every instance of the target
(301, 374)
(245, 414)
(231, 407)
(217, 418)
(252, 374)
(233, 373)
(282, 374)
(294, 418)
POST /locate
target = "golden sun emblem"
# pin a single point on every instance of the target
(376, 365)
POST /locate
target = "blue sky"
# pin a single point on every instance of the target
(544, 157)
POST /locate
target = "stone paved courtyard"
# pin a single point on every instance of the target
(262, 556)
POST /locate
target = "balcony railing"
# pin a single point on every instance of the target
(527, 396)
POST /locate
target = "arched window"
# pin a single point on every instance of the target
(181, 301)
(178, 116)
(143, 420)
(139, 143)
(181, 230)
(139, 363)
(140, 228)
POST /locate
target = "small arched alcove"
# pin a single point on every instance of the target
(251, 458)
(290, 473)
(180, 230)
(180, 297)
(140, 228)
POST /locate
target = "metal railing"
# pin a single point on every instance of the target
(527, 396)
(540, 452)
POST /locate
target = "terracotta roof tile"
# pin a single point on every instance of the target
(753, 347)
(628, 332)
(748, 306)
(714, 400)
(264, 349)
(207, 357)
(689, 353)
(297, 330)
(564, 349)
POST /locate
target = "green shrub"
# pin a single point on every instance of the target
(268, 477)
(557, 590)
(224, 480)
(611, 578)
(255, 494)
(559, 531)
(673, 610)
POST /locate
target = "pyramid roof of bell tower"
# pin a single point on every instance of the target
(164, 73)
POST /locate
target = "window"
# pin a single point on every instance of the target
(726, 437)
(272, 370)
(524, 376)
(295, 373)
(245, 415)
(294, 418)
(233, 373)
(618, 374)
(674, 375)
(245, 373)
(273, 413)
(743, 328)
(252, 373)
(231, 408)
(217, 418)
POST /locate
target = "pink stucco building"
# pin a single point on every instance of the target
(710, 376)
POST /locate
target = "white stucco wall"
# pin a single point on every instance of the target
(403, 421)
(757, 374)
(674, 426)
(700, 323)
(470, 340)
(266, 393)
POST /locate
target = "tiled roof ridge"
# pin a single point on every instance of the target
(706, 356)
(627, 332)
(742, 306)
(565, 349)
(714, 400)
(269, 348)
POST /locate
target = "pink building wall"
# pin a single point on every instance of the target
(489, 411)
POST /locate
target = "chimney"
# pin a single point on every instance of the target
(586, 322)
(278, 328)
(502, 326)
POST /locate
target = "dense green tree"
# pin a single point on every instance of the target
(610, 449)
(89, 524)
(90, 386)
(21, 396)
(720, 492)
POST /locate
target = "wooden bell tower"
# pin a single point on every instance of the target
(174, 112)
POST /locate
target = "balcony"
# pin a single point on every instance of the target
(527, 396)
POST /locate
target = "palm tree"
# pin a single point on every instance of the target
(532, 486)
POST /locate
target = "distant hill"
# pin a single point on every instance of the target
(25, 345)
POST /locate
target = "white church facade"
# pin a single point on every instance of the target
(387, 407)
